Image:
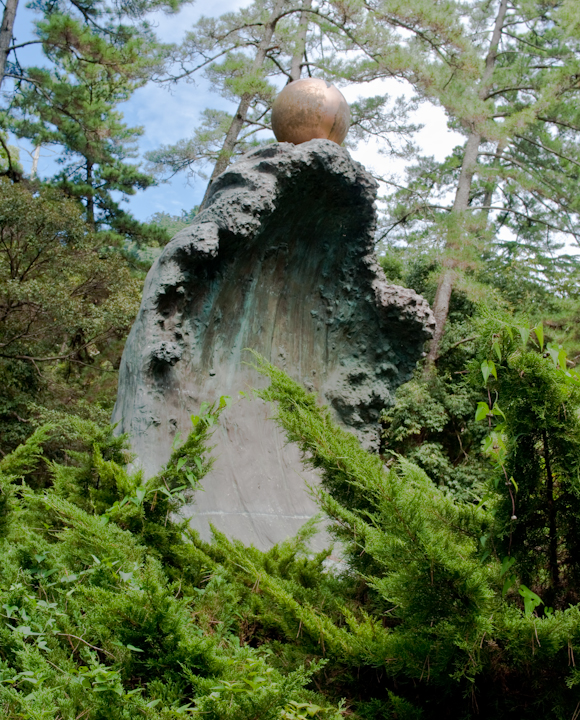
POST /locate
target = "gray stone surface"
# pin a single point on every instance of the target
(281, 260)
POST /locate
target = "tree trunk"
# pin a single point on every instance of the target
(90, 197)
(461, 202)
(552, 531)
(488, 197)
(468, 166)
(242, 112)
(35, 159)
(230, 140)
(298, 57)
(6, 34)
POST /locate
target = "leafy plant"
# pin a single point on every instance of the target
(104, 592)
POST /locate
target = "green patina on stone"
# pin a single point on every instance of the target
(281, 260)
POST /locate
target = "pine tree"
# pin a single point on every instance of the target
(506, 77)
(8, 18)
(242, 53)
(74, 106)
(238, 52)
(117, 22)
(447, 616)
(84, 545)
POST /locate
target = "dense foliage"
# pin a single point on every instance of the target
(458, 591)
(113, 607)
(67, 300)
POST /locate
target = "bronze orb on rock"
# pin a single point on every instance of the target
(310, 108)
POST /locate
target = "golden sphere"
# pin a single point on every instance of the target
(310, 108)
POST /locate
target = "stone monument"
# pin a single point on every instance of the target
(281, 260)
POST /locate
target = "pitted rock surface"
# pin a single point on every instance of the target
(281, 260)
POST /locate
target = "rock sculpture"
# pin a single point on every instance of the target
(281, 260)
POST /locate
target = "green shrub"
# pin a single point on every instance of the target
(114, 608)
(111, 607)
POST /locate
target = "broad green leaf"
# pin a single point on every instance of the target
(26, 631)
(525, 335)
(482, 411)
(539, 330)
(506, 564)
(562, 358)
(180, 463)
(485, 371)
(483, 500)
(10, 609)
(27, 675)
(488, 368)
(47, 573)
(553, 351)
(508, 583)
(531, 600)
(496, 410)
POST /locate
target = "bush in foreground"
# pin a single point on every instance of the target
(115, 609)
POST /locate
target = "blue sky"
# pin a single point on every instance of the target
(170, 114)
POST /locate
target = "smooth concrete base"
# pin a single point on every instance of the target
(272, 502)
